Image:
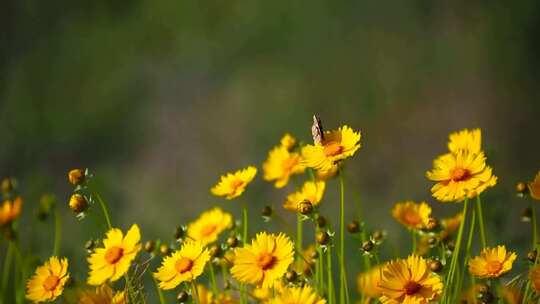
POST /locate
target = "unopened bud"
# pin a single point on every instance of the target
(76, 176)
(78, 203)
(305, 207)
(353, 227)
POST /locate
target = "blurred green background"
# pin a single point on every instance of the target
(159, 98)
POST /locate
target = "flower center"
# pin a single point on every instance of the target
(183, 265)
(494, 266)
(208, 230)
(332, 149)
(459, 174)
(51, 282)
(237, 183)
(412, 288)
(412, 218)
(114, 254)
(265, 261)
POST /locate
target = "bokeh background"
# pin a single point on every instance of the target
(159, 98)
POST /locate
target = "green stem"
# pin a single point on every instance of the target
(57, 232)
(320, 269)
(343, 275)
(533, 227)
(160, 293)
(481, 221)
(299, 228)
(105, 210)
(245, 225)
(413, 236)
(331, 295)
(467, 252)
(455, 254)
(196, 298)
(7, 267)
(213, 279)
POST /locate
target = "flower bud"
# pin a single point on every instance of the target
(432, 223)
(215, 251)
(7, 185)
(321, 221)
(179, 233)
(164, 249)
(232, 241)
(367, 246)
(89, 245)
(314, 255)
(291, 276)
(78, 203)
(305, 207)
(76, 176)
(182, 297)
(322, 237)
(531, 256)
(353, 227)
(378, 235)
(521, 188)
(266, 211)
(526, 214)
(435, 265)
(149, 246)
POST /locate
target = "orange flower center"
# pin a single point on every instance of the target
(51, 282)
(266, 261)
(494, 266)
(114, 254)
(412, 288)
(333, 148)
(183, 265)
(459, 174)
(237, 183)
(412, 218)
(208, 229)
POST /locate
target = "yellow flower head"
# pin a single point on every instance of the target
(492, 262)
(102, 295)
(409, 281)
(48, 281)
(534, 277)
(336, 146)
(450, 225)
(311, 191)
(534, 187)
(298, 295)
(209, 225)
(264, 261)
(233, 185)
(368, 283)
(326, 175)
(459, 176)
(288, 141)
(183, 265)
(281, 164)
(264, 294)
(10, 210)
(465, 140)
(411, 214)
(113, 260)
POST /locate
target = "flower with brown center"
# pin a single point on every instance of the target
(48, 281)
(492, 262)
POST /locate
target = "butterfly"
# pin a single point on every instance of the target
(317, 130)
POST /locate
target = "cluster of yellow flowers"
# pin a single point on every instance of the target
(274, 268)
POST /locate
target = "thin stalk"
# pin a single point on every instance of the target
(21, 274)
(7, 267)
(365, 258)
(245, 225)
(57, 232)
(455, 253)
(331, 294)
(481, 221)
(213, 279)
(196, 298)
(320, 266)
(343, 275)
(534, 227)
(467, 251)
(299, 228)
(160, 293)
(413, 236)
(105, 210)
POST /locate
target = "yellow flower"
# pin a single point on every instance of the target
(298, 295)
(10, 210)
(102, 295)
(288, 141)
(326, 175)
(264, 261)
(459, 176)
(450, 225)
(492, 262)
(233, 185)
(209, 225)
(280, 165)
(113, 260)
(183, 265)
(203, 295)
(48, 281)
(534, 187)
(465, 140)
(411, 214)
(264, 294)
(368, 283)
(336, 146)
(409, 281)
(534, 277)
(311, 191)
